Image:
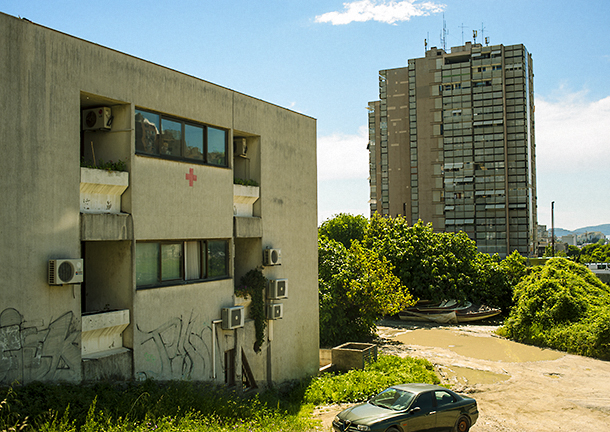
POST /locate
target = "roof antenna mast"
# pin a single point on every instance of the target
(462, 27)
(444, 34)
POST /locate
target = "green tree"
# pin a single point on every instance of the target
(549, 253)
(344, 228)
(496, 279)
(435, 266)
(356, 289)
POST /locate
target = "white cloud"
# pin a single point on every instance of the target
(572, 133)
(342, 156)
(384, 11)
(572, 153)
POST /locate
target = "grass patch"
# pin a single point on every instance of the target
(360, 385)
(190, 406)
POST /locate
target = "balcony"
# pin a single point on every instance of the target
(244, 198)
(101, 190)
(102, 333)
(100, 205)
(246, 225)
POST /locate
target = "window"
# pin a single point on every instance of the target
(167, 137)
(176, 262)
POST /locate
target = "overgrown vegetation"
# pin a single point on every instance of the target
(245, 182)
(356, 288)
(105, 165)
(562, 305)
(356, 258)
(146, 406)
(360, 385)
(189, 406)
(253, 284)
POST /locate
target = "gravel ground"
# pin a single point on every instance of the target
(518, 388)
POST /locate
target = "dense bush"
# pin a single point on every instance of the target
(441, 266)
(360, 385)
(357, 259)
(356, 289)
(562, 305)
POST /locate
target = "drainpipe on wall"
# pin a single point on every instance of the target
(269, 366)
(214, 322)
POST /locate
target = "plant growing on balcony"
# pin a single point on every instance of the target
(253, 284)
(245, 182)
(108, 166)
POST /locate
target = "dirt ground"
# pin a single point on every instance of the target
(518, 388)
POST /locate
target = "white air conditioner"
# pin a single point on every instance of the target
(97, 118)
(232, 317)
(277, 289)
(275, 311)
(65, 271)
(272, 257)
(240, 148)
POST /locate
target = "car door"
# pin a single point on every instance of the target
(447, 411)
(424, 419)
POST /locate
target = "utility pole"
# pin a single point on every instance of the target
(553, 227)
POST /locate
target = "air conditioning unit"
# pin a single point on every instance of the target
(65, 271)
(97, 118)
(240, 148)
(277, 289)
(232, 317)
(275, 311)
(272, 257)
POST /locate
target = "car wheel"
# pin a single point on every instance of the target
(392, 429)
(462, 425)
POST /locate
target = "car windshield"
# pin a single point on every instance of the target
(393, 399)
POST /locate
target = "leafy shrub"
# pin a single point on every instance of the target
(108, 165)
(562, 305)
(360, 385)
(356, 289)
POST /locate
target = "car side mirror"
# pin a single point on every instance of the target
(414, 410)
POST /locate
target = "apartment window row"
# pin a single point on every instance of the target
(173, 262)
(168, 137)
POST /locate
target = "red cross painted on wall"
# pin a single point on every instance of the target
(191, 177)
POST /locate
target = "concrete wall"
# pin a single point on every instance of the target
(48, 78)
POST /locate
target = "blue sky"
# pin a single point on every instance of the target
(322, 58)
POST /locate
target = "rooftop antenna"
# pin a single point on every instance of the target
(462, 27)
(482, 32)
(474, 36)
(425, 45)
(444, 34)
(486, 40)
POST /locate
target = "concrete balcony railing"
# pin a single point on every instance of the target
(103, 332)
(101, 190)
(244, 198)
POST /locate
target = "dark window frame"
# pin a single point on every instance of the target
(204, 263)
(183, 149)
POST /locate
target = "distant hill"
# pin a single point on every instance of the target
(604, 228)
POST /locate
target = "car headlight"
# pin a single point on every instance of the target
(363, 428)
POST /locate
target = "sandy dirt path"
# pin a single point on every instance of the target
(518, 388)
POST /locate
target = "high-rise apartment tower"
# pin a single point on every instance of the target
(451, 141)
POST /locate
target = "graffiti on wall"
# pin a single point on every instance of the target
(177, 350)
(30, 351)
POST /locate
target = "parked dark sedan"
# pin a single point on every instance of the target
(410, 407)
